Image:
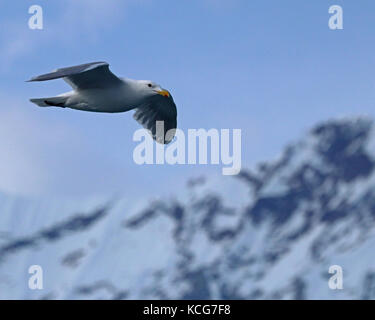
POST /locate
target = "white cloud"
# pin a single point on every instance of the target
(48, 152)
(74, 19)
(22, 139)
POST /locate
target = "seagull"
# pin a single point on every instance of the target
(97, 89)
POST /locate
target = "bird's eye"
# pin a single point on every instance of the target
(150, 85)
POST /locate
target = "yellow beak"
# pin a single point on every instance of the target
(164, 93)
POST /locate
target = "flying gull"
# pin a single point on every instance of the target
(97, 89)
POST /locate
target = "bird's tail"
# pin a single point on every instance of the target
(58, 101)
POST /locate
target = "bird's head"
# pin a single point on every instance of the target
(150, 88)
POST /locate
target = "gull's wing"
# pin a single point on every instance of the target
(84, 76)
(158, 108)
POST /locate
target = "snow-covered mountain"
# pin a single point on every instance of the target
(269, 233)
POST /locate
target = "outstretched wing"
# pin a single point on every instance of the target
(84, 76)
(159, 111)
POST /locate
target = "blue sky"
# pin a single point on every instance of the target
(271, 68)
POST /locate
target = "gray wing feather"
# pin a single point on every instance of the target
(84, 76)
(159, 108)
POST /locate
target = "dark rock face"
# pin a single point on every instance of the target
(77, 223)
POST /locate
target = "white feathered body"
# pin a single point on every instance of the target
(97, 89)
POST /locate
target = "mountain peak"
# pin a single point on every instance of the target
(272, 232)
